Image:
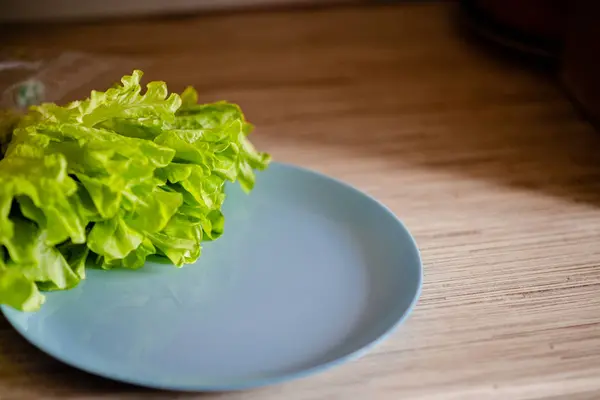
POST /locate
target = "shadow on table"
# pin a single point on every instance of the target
(462, 107)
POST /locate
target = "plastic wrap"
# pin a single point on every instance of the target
(28, 79)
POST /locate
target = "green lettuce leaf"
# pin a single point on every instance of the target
(38, 261)
(180, 240)
(113, 179)
(19, 292)
(46, 185)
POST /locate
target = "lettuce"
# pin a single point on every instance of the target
(110, 180)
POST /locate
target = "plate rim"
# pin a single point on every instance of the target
(272, 380)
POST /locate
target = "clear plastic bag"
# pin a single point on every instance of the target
(28, 79)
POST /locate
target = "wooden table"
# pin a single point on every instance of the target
(482, 157)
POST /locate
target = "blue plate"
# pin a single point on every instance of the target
(309, 273)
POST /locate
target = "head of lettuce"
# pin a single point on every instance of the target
(109, 180)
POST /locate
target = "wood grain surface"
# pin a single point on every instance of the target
(482, 157)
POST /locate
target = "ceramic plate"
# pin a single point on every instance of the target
(309, 273)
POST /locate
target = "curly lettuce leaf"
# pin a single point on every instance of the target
(36, 260)
(123, 101)
(46, 186)
(112, 180)
(180, 240)
(19, 292)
